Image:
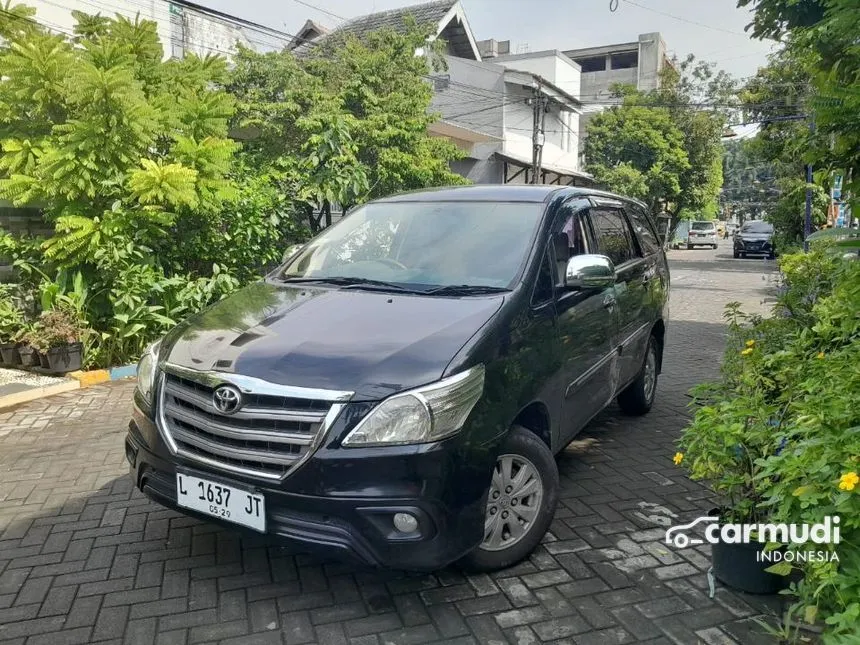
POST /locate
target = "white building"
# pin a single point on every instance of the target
(183, 27)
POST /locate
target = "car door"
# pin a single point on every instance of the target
(587, 326)
(616, 240)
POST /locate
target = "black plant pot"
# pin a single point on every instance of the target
(29, 356)
(9, 354)
(43, 361)
(736, 566)
(64, 359)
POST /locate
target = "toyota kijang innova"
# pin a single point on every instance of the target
(397, 389)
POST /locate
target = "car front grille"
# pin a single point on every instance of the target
(274, 429)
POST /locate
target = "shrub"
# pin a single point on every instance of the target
(778, 438)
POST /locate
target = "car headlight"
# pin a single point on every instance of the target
(146, 371)
(428, 413)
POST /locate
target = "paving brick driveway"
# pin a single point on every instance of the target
(84, 558)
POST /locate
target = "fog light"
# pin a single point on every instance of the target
(405, 523)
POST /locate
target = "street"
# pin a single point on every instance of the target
(85, 558)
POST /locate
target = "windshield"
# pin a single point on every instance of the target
(423, 244)
(757, 227)
(703, 226)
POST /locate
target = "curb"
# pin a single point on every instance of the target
(37, 393)
(76, 380)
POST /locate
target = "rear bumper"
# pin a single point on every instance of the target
(357, 526)
(709, 240)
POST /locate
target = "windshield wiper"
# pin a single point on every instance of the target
(349, 282)
(464, 290)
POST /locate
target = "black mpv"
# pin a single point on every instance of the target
(397, 389)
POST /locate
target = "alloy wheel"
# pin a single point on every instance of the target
(514, 501)
(649, 380)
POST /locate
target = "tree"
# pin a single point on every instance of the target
(664, 145)
(344, 124)
(824, 33)
(637, 150)
(128, 157)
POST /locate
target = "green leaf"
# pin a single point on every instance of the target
(780, 568)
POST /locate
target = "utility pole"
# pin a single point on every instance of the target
(538, 109)
(807, 219)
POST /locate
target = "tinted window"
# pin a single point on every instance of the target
(703, 226)
(543, 286)
(644, 231)
(614, 238)
(424, 243)
(757, 227)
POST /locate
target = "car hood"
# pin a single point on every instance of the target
(370, 343)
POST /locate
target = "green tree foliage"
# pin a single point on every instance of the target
(346, 123)
(823, 33)
(663, 146)
(128, 156)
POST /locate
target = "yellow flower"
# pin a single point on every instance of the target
(848, 481)
(820, 355)
(747, 351)
(750, 342)
(679, 457)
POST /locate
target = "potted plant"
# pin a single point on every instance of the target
(57, 336)
(11, 323)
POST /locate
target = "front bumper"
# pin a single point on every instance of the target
(342, 501)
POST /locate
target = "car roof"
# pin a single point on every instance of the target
(536, 193)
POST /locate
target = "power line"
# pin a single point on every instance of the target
(687, 20)
(321, 10)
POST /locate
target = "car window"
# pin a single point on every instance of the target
(614, 238)
(703, 226)
(543, 291)
(424, 244)
(757, 227)
(644, 230)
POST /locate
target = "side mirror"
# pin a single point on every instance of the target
(291, 251)
(589, 272)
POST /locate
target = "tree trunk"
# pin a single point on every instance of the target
(326, 210)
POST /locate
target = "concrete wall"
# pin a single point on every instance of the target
(551, 65)
(597, 85)
(179, 29)
(481, 108)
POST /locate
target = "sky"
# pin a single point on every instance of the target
(710, 29)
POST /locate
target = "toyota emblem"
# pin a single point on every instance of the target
(226, 399)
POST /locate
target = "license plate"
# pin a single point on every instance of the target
(229, 503)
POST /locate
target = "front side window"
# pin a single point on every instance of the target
(420, 244)
(614, 238)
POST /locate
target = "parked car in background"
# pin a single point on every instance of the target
(396, 391)
(702, 234)
(754, 238)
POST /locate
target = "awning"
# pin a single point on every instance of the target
(518, 170)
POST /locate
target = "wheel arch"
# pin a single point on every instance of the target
(536, 419)
(658, 331)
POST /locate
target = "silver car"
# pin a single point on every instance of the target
(702, 234)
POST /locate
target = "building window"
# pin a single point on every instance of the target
(593, 64)
(627, 60)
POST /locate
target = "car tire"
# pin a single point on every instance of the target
(714, 246)
(689, 247)
(521, 448)
(736, 255)
(638, 397)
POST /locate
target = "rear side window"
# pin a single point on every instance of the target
(644, 230)
(614, 237)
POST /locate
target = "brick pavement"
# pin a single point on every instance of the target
(84, 558)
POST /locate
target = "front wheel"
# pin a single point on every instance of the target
(520, 503)
(638, 397)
